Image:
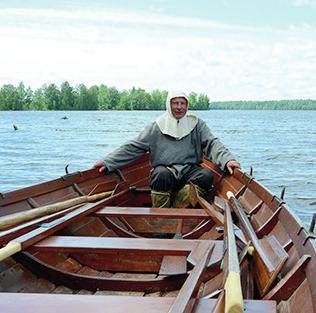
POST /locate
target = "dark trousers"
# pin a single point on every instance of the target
(161, 179)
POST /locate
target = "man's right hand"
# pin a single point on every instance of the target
(99, 164)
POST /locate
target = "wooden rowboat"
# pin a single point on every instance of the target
(143, 259)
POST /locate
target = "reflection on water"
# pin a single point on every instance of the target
(280, 145)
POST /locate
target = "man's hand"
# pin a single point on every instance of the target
(99, 164)
(231, 165)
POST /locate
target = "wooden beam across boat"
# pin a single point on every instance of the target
(151, 212)
(71, 244)
(51, 303)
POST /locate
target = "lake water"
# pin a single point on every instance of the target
(279, 145)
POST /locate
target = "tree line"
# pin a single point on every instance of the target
(80, 97)
(265, 105)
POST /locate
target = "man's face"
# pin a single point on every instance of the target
(179, 107)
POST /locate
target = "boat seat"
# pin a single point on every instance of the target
(143, 246)
(111, 211)
(51, 303)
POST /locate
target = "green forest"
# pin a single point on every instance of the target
(80, 97)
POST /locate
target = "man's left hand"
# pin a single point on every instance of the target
(231, 165)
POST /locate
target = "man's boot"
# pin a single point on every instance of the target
(160, 199)
(182, 198)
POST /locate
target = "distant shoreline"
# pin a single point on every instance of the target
(102, 98)
(192, 110)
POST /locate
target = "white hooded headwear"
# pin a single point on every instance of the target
(169, 125)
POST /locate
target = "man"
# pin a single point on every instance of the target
(176, 142)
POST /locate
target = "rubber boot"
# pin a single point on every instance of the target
(160, 199)
(182, 198)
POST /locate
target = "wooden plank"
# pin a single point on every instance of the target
(250, 233)
(30, 303)
(269, 255)
(151, 212)
(50, 186)
(247, 278)
(268, 226)
(200, 230)
(198, 253)
(213, 286)
(173, 265)
(185, 300)
(287, 285)
(143, 246)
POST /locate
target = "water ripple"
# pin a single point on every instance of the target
(279, 145)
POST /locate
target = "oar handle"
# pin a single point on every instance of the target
(229, 194)
(11, 248)
(233, 294)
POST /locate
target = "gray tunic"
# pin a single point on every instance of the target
(168, 151)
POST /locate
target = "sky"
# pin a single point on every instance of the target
(227, 49)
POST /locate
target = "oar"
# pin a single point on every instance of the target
(216, 216)
(186, 297)
(249, 230)
(232, 287)
(28, 239)
(268, 254)
(20, 217)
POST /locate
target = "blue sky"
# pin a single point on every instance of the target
(230, 49)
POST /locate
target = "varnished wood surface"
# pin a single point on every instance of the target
(31, 303)
(132, 245)
(151, 212)
(186, 298)
(42, 232)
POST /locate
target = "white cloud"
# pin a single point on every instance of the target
(300, 3)
(157, 51)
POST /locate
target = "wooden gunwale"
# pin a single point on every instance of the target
(47, 187)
